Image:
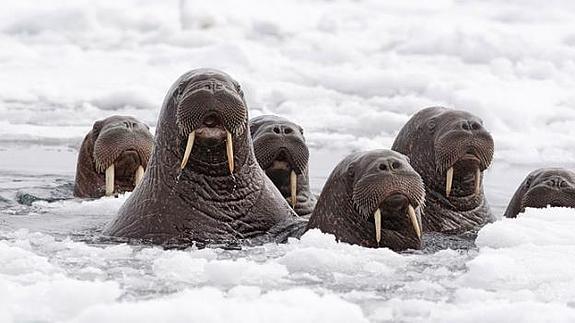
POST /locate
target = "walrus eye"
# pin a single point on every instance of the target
(431, 125)
(350, 171)
(239, 90)
(98, 125)
(301, 130)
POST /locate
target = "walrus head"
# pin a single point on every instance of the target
(541, 188)
(450, 149)
(372, 199)
(281, 151)
(113, 157)
(210, 114)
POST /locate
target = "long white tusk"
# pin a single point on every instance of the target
(477, 181)
(139, 175)
(413, 219)
(110, 180)
(293, 186)
(189, 145)
(230, 151)
(377, 217)
(449, 181)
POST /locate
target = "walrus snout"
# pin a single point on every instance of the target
(543, 197)
(555, 191)
(215, 96)
(211, 108)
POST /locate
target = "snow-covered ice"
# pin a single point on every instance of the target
(527, 279)
(351, 72)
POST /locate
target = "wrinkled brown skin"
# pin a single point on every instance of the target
(273, 137)
(121, 140)
(361, 183)
(541, 188)
(434, 139)
(202, 202)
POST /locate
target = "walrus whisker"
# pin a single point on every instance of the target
(477, 181)
(293, 188)
(110, 180)
(449, 181)
(377, 216)
(230, 151)
(139, 175)
(413, 219)
(189, 145)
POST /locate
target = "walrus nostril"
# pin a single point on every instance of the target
(287, 130)
(475, 125)
(383, 166)
(465, 125)
(277, 130)
(395, 165)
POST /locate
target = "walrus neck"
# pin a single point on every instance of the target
(330, 221)
(281, 179)
(442, 215)
(234, 190)
(305, 200)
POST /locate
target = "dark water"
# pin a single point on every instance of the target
(46, 173)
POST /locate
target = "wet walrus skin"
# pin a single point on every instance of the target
(541, 188)
(192, 191)
(367, 188)
(446, 146)
(282, 153)
(118, 149)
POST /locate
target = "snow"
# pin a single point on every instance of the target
(351, 73)
(355, 70)
(528, 279)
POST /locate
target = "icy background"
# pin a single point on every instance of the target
(351, 73)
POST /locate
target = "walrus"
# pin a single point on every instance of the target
(113, 157)
(541, 188)
(372, 199)
(282, 153)
(450, 149)
(203, 183)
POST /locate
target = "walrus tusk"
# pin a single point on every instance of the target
(377, 217)
(189, 145)
(413, 219)
(139, 175)
(293, 186)
(449, 181)
(477, 181)
(110, 180)
(230, 151)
